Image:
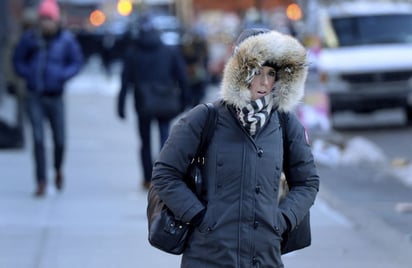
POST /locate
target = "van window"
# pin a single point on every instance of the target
(378, 29)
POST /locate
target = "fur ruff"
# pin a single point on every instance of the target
(279, 49)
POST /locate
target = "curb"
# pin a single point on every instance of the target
(396, 245)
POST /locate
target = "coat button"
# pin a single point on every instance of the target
(255, 225)
(258, 189)
(260, 152)
(254, 260)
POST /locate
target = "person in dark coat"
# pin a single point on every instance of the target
(46, 57)
(196, 54)
(238, 221)
(147, 60)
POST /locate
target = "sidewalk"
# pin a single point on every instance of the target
(99, 220)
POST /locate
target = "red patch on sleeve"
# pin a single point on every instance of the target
(307, 137)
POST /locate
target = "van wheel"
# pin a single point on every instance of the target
(408, 111)
(332, 120)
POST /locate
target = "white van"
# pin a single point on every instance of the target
(366, 60)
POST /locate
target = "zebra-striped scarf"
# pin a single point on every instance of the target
(254, 115)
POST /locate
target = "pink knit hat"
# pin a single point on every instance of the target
(50, 9)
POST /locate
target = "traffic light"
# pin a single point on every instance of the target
(124, 7)
(294, 12)
(97, 17)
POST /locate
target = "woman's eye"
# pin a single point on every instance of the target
(258, 72)
(272, 73)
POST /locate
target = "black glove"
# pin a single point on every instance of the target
(11, 88)
(120, 105)
(120, 112)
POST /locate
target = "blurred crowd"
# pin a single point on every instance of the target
(45, 51)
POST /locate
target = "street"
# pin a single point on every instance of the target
(381, 187)
(99, 220)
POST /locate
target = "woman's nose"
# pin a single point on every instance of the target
(264, 79)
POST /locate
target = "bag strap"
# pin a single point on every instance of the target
(283, 120)
(206, 136)
(207, 133)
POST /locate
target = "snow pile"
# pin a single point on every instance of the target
(356, 151)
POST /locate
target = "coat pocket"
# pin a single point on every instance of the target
(280, 225)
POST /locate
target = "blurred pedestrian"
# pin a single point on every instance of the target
(196, 53)
(12, 134)
(15, 84)
(46, 57)
(239, 221)
(108, 45)
(148, 60)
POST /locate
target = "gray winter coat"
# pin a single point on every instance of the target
(244, 222)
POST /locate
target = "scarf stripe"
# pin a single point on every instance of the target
(254, 115)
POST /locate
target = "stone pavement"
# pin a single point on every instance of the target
(99, 220)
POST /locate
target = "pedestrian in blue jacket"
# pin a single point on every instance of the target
(46, 57)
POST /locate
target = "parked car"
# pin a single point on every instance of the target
(107, 40)
(170, 27)
(365, 64)
(111, 38)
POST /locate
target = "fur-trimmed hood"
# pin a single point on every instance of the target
(278, 49)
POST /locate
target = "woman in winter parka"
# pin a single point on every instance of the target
(239, 222)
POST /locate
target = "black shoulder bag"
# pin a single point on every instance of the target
(158, 100)
(300, 237)
(165, 232)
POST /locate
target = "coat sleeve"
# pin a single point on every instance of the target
(173, 162)
(300, 171)
(181, 77)
(74, 57)
(21, 54)
(126, 79)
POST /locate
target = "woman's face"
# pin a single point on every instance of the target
(263, 82)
